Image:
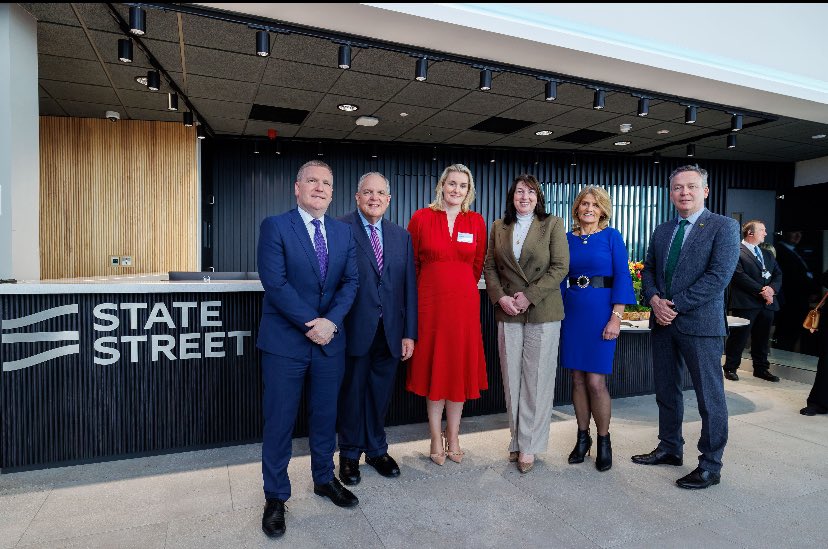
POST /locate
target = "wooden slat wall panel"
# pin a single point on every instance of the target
(125, 188)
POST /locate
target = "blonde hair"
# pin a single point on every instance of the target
(438, 205)
(603, 200)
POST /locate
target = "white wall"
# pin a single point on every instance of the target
(811, 172)
(19, 145)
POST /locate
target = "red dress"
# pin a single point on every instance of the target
(448, 361)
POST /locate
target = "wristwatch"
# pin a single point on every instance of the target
(619, 315)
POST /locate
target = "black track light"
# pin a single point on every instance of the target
(200, 132)
(125, 50)
(137, 21)
(656, 158)
(736, 123)
(690, 114)
(262, 43)
(731, 141)
(344, 56)
(153, 81)
(572, 160)
(188, 119)
(172, 101)
(643, 106)
(421, 71)
(691, 150)
(551, 92)
(599, 99)
(255, 147)
(319, 151)
(485, 80)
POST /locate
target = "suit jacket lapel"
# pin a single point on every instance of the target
(362, 239)
(535, 234)
(304, 239)
(697, 232)
(506, 242)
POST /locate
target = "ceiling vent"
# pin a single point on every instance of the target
(584, 137)
(278, 114)
(503, 126)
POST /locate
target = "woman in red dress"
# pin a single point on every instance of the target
(448, 365)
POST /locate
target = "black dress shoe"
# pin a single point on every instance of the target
(766, 375)
(698, 479)
(732, 376)
(273, 518)
(603, 461)
(657, 457)
(337, 493)
(811, 411)
(384, 464)
(349, 471)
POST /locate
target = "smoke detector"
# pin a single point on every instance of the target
(367, 121)
(625, 128)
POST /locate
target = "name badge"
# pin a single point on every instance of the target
(465, 237)
(765, 274)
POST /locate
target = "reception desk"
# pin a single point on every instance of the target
(106, 369)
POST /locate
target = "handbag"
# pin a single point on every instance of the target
(812, 319)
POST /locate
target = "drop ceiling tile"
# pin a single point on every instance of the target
(80, 92)
(608, 145)
(370, 86)
(639, 124)
(225, 65)
(50, 107)
(147, 100)
(798, 131)
(288, 98)
(535, 111)
(260, 127)
(479, 102)
(54, 13)
(64, 41)
(518, 85)
(517, 141)
(216, 88)
(124, 78)
(219, 35)
(575, 95)
(107, 45)
(332, 121)
(391, 128)
(306, 49)
(383, 62)
(364, 134)
(227, 125)
(455, 120)
(666, 111)
(222, 109)
(454, 75)
(428, 95)
(429, 133)
(288, 74)
(677, 130)
(168, 54)
(581, 118)
(329, 104)
(416, 115)
(71, 70)
(147, 114)
(318, 133)
(161, 24)
(621, 103)
(556, 145)
(472, 138)
(81, 109)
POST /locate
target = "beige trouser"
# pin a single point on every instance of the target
(529, 363)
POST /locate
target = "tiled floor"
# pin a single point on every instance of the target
(774, 491)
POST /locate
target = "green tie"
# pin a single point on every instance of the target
(672, 259)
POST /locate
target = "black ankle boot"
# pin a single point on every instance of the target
(582, 446)
(603, 460)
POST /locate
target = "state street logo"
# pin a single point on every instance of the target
(31, 337)
(128, 332)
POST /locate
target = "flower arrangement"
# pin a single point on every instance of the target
(640, 310)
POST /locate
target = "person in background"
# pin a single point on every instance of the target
(448, 366)
(818, 398)
(753, 292)
(798, 289)
(599, 287)
(526, 261)
(307, 265)
(690, 262)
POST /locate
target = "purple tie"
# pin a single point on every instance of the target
(375, 244)
(321, 250)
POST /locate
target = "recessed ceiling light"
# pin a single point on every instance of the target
(403, 114)
(347, 108)
(141, 80)
(818, 136)
(544, 132)
(663, 132)
(622, 143)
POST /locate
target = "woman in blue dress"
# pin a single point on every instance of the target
(599, 287)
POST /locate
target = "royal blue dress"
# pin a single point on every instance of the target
(587, 310)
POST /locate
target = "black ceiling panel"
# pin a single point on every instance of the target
(278, 114)
(504, 126)
(584, 137)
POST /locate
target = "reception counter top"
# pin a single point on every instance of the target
(138, 284)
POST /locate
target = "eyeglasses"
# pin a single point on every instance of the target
(692, 187)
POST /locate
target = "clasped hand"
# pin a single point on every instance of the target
(321, 331)
(514, 305)
(663, 310)
(767, 294)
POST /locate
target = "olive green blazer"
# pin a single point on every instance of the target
(544, 262)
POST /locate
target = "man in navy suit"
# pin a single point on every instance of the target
(753, 290)
(307, 265)
(689, 264)
(381, 328)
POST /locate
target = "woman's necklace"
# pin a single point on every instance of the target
(585, 237)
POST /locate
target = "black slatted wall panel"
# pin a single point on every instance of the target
(247, 187)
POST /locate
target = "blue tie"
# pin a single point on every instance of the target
(759, 256)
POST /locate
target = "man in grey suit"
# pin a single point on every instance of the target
(689, 264)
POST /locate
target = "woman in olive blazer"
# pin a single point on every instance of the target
(526, 261)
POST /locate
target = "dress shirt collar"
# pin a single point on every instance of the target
(307, 218)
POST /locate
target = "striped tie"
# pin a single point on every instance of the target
(375, 244)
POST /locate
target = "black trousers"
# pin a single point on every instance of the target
(819, 392)
(364, 398)
(761, 321)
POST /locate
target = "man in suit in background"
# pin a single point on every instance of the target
(381, 328)
(307, 265)
(753, 290)
(689, 264)
(798, 288)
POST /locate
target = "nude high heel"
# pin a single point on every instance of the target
(440, 458)
(457, 456)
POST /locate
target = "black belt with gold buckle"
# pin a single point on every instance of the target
(595, 281)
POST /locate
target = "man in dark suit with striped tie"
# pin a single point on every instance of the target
(689, 264)
(381, 327)
(753, 292)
